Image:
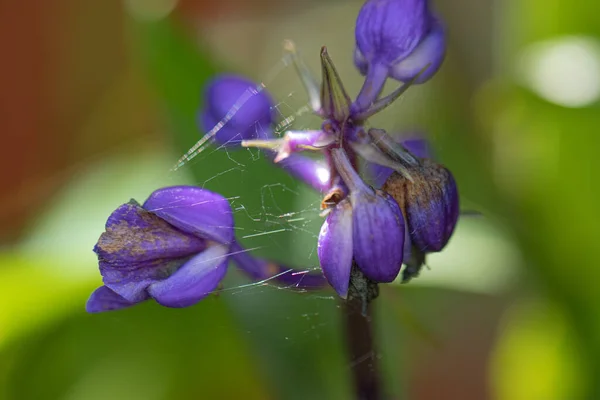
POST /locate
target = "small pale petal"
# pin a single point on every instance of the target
(335, 247)
(194, 280)
(378, 235)
(104, 299)
(194, 210)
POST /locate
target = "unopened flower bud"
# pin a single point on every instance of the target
(367, 227)
(398, 38)
(430, 204)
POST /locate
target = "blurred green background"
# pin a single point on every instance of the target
(99, 100)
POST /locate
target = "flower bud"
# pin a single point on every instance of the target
(430, 204)
(398, 38)
(244, 111)
(378, 235)
(367, 226)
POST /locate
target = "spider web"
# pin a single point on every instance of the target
(273, 218)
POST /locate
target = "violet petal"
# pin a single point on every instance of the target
(104, 299)
(378, 235)
(194, 280)
(387, 31)
(335, 247)
(131, 281)
(431, 50)
(194, 210)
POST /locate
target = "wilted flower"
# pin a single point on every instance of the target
(366, 227)
(397, 39)
(173, 249)
(430, 205)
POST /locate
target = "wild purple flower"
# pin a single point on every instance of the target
(366, 227)
(237, 110)
(173, 249)
(397, 39)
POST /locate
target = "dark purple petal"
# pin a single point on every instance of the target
(335, 247)
(387, 31)
(131, 281)
(194, 280)
(134, 235)
(378, 235)
(194, 210)
(244, 108)
(431, 50)
(104, 299)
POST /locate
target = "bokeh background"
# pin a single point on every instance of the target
(99, 99)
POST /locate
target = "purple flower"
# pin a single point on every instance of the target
(400, 39)
(173, 249)
(236, 109)
(367, 227)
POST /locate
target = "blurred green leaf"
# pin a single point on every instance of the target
(536, 357)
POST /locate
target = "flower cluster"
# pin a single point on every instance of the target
(176, 247)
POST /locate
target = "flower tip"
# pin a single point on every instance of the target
(335, 102)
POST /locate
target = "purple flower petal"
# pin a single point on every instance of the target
(134, 235)
(194, 280)
(194, 210)
(104, 299)
(432, 50)
(308, 170)
(131, 281)
(387, 31)
(335, 247)
(378, 235)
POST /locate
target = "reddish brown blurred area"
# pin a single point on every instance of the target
(68, 95)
